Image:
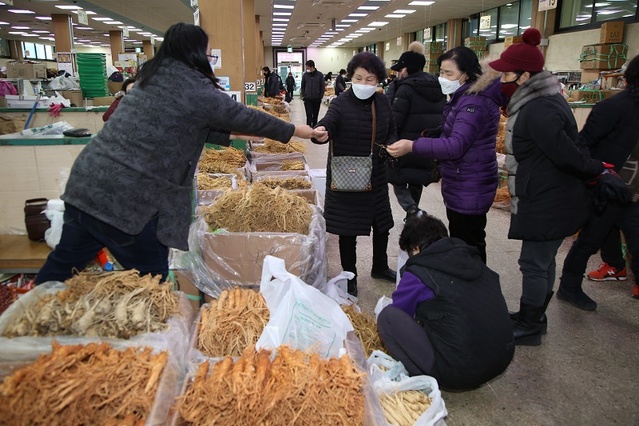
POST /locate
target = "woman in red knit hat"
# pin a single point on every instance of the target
(546, 172)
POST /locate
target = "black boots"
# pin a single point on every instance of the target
(543, 319)
(527, 328)
(576, 297)
(352, 287)
(387, 275)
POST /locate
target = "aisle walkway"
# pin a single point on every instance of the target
(585, 373)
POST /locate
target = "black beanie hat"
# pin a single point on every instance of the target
(412, 61)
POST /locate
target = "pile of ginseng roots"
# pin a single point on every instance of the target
(259, 208)
(295, 388)
(90, 384)
(112, 304)
(225, 160)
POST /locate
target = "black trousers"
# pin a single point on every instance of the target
(83, 236)
(312, 107)
(406, 341)
(348, 251)
(408, 195)
(469, 228)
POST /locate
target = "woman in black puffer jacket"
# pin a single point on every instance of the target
(349, 122)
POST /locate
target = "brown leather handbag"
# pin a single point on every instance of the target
(34, 218)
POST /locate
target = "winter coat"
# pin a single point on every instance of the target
(467, 321)
(349, 124)
(312, 86)
(549, 200)
(340, 84)
(290, 83)
(142, 162)
(272, 85)
(417, 105)
(466, 147)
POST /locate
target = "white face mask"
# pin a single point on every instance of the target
(449, 87)
(363, 91)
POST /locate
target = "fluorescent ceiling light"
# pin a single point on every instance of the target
(368, 8)
(17, 32)
(136, 42)
(20, 28)
(394, 15)
(281, 13)
(4, 23)
(406, 11)
(421, 3)
(378, 24)
(88, 12)
(22, 11)
(145, 34)
(508, 26)
(357, 15)
(81, 28)
(113, 22)
(280, 25)
(343, 25)
(67, 6)
(280, 19)
(29, 35)
(47, 38)
(330, 32)
(41, 31)
(101, 19)
(43, 18)
(283, 6)
(352, 21)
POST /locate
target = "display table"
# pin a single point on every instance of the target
(87, 118)
(18, 254)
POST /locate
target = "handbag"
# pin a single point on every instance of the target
(350, 173)
(35, 220)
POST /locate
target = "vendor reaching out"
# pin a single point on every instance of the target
(129, 189)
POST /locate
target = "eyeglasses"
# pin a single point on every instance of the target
(214, 58)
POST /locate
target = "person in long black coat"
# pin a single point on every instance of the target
(417, 105)
(349, 122)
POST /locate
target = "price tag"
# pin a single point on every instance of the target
(250, 86)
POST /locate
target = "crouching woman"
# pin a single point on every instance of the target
(448, 318)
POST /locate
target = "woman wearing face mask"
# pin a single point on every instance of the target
(466, 147)
(349, 125)
(130, 188)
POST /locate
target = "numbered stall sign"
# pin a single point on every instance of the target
(250, 86)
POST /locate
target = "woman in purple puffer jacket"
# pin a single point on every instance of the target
(465, 148)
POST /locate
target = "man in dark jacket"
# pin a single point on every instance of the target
(340, 82)
(312, 91)
(272, 83)
(290, 87)
(545, 176)
(448, 318)
(417, 105)
(611, 134)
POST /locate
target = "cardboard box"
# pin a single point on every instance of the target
(434, 47)
(26, 70)
(184, 283)
(75, 96)
(103, 101)
(476, 43)
(510, 40)
(611, 32)
(592, 96)
(432, 67)
(588, 76)
(603, 56)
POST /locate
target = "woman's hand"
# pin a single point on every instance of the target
(400, 148)
(306, 132)
(320, 134)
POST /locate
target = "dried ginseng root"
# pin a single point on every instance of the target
(294, 388)
(83, 385)
(365, 329)
(404, 408)
(232, 322)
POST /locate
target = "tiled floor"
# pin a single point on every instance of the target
(586, 372)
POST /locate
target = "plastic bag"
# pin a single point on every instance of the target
(394, 378)
(63, 83)
(56, 128)
(383, 302)
(54, 233)
(301, 316)
(337, 288)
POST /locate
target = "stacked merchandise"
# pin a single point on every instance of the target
(274, 106)
(433, 51)
(510, 40)
(609, 54)
(477, 44)
(92, 70)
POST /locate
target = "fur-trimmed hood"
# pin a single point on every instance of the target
(542, 84)
(485, 80)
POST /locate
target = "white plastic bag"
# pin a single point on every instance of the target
(301, 316)
(394, 378)
(383, 302)
(337, 288)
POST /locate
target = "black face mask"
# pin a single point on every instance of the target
(509, 88)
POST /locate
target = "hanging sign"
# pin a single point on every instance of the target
(427, 34)
(484, 22)
(83, 18)
(547, 5)
(125, 31)
(194, 3)
(399, 41)
(196, 17)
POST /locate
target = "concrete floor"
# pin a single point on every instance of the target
(586, 372)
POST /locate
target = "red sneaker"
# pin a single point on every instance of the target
(635, 291)
(607, 273)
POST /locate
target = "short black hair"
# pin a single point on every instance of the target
(370, 62)
(310, 63)
(421, 230)
(266, 69)
(342, 71)
(632, 72)
(466, 60)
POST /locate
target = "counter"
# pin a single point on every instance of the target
(87, 118)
